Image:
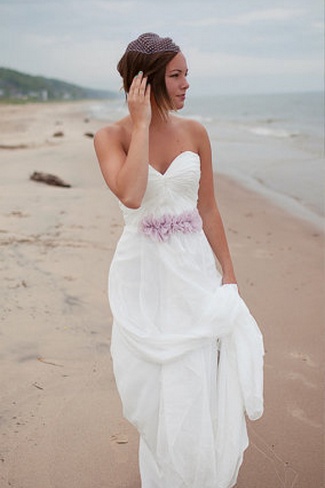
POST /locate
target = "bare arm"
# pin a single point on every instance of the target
(126, 174)
(208, 209)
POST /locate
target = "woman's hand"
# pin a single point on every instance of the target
(229, 279)
(138, 100)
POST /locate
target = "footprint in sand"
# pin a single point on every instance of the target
(262, 254)
(303, 357)
(299, 414)
(301, 378)
(18, 213)
(119, 438)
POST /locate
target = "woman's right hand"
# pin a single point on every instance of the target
(138, 100)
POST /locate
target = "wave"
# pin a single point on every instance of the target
(108, 110)
(199, 118)
(268, 132)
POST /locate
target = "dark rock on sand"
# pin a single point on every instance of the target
(48, 179)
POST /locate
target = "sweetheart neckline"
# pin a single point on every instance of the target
(172, 162)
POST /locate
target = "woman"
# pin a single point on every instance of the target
(187, 354)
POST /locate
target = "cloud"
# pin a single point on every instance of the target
(270, 15)
(221, 72)
(81, 41)
(248, 18)
(221, 64)
(318, 26)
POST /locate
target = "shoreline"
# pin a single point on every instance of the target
(221, 145)
(283, 163)
(294, 208)
(62, 423)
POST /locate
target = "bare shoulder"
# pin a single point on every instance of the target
(187, 123)
(199, 133)
(199, 138)
(111, 130)
(194, 129)
(114, 134)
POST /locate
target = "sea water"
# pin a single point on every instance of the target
(274, 144)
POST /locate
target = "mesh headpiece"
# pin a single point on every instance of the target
(150, 43)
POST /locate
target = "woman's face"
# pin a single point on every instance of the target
(176, 80)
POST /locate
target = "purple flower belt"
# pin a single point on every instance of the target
(160, 229)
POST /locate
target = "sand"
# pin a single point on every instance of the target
(61, 420)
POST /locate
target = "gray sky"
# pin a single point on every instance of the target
(232, 46)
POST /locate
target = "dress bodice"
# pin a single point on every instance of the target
(172, 192)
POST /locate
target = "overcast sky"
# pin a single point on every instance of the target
(232, 46)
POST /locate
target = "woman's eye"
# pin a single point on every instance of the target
(177, 75)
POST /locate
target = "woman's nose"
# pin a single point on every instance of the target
(186, 84)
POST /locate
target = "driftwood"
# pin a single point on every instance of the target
(42, 360)
(14, 146)
(49, 179)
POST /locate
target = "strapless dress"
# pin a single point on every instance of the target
(187, 353)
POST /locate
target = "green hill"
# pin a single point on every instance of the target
(17, 86)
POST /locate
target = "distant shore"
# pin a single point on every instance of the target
(22, 101)
(62, 424)
(19, 86)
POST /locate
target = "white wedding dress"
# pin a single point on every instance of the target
(187, 354)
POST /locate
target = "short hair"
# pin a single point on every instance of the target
(153, 65)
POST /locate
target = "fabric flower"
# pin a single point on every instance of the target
(160, 229)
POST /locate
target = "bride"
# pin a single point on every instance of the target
(187, 354)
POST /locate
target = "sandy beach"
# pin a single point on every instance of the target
(61, 420)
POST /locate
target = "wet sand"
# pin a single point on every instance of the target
(61, 421)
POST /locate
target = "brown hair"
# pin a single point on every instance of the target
(154, 67)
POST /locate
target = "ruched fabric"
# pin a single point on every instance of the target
(187, 353)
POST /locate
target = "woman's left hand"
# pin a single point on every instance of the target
(229, 279)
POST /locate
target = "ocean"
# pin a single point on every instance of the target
(273, 144)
